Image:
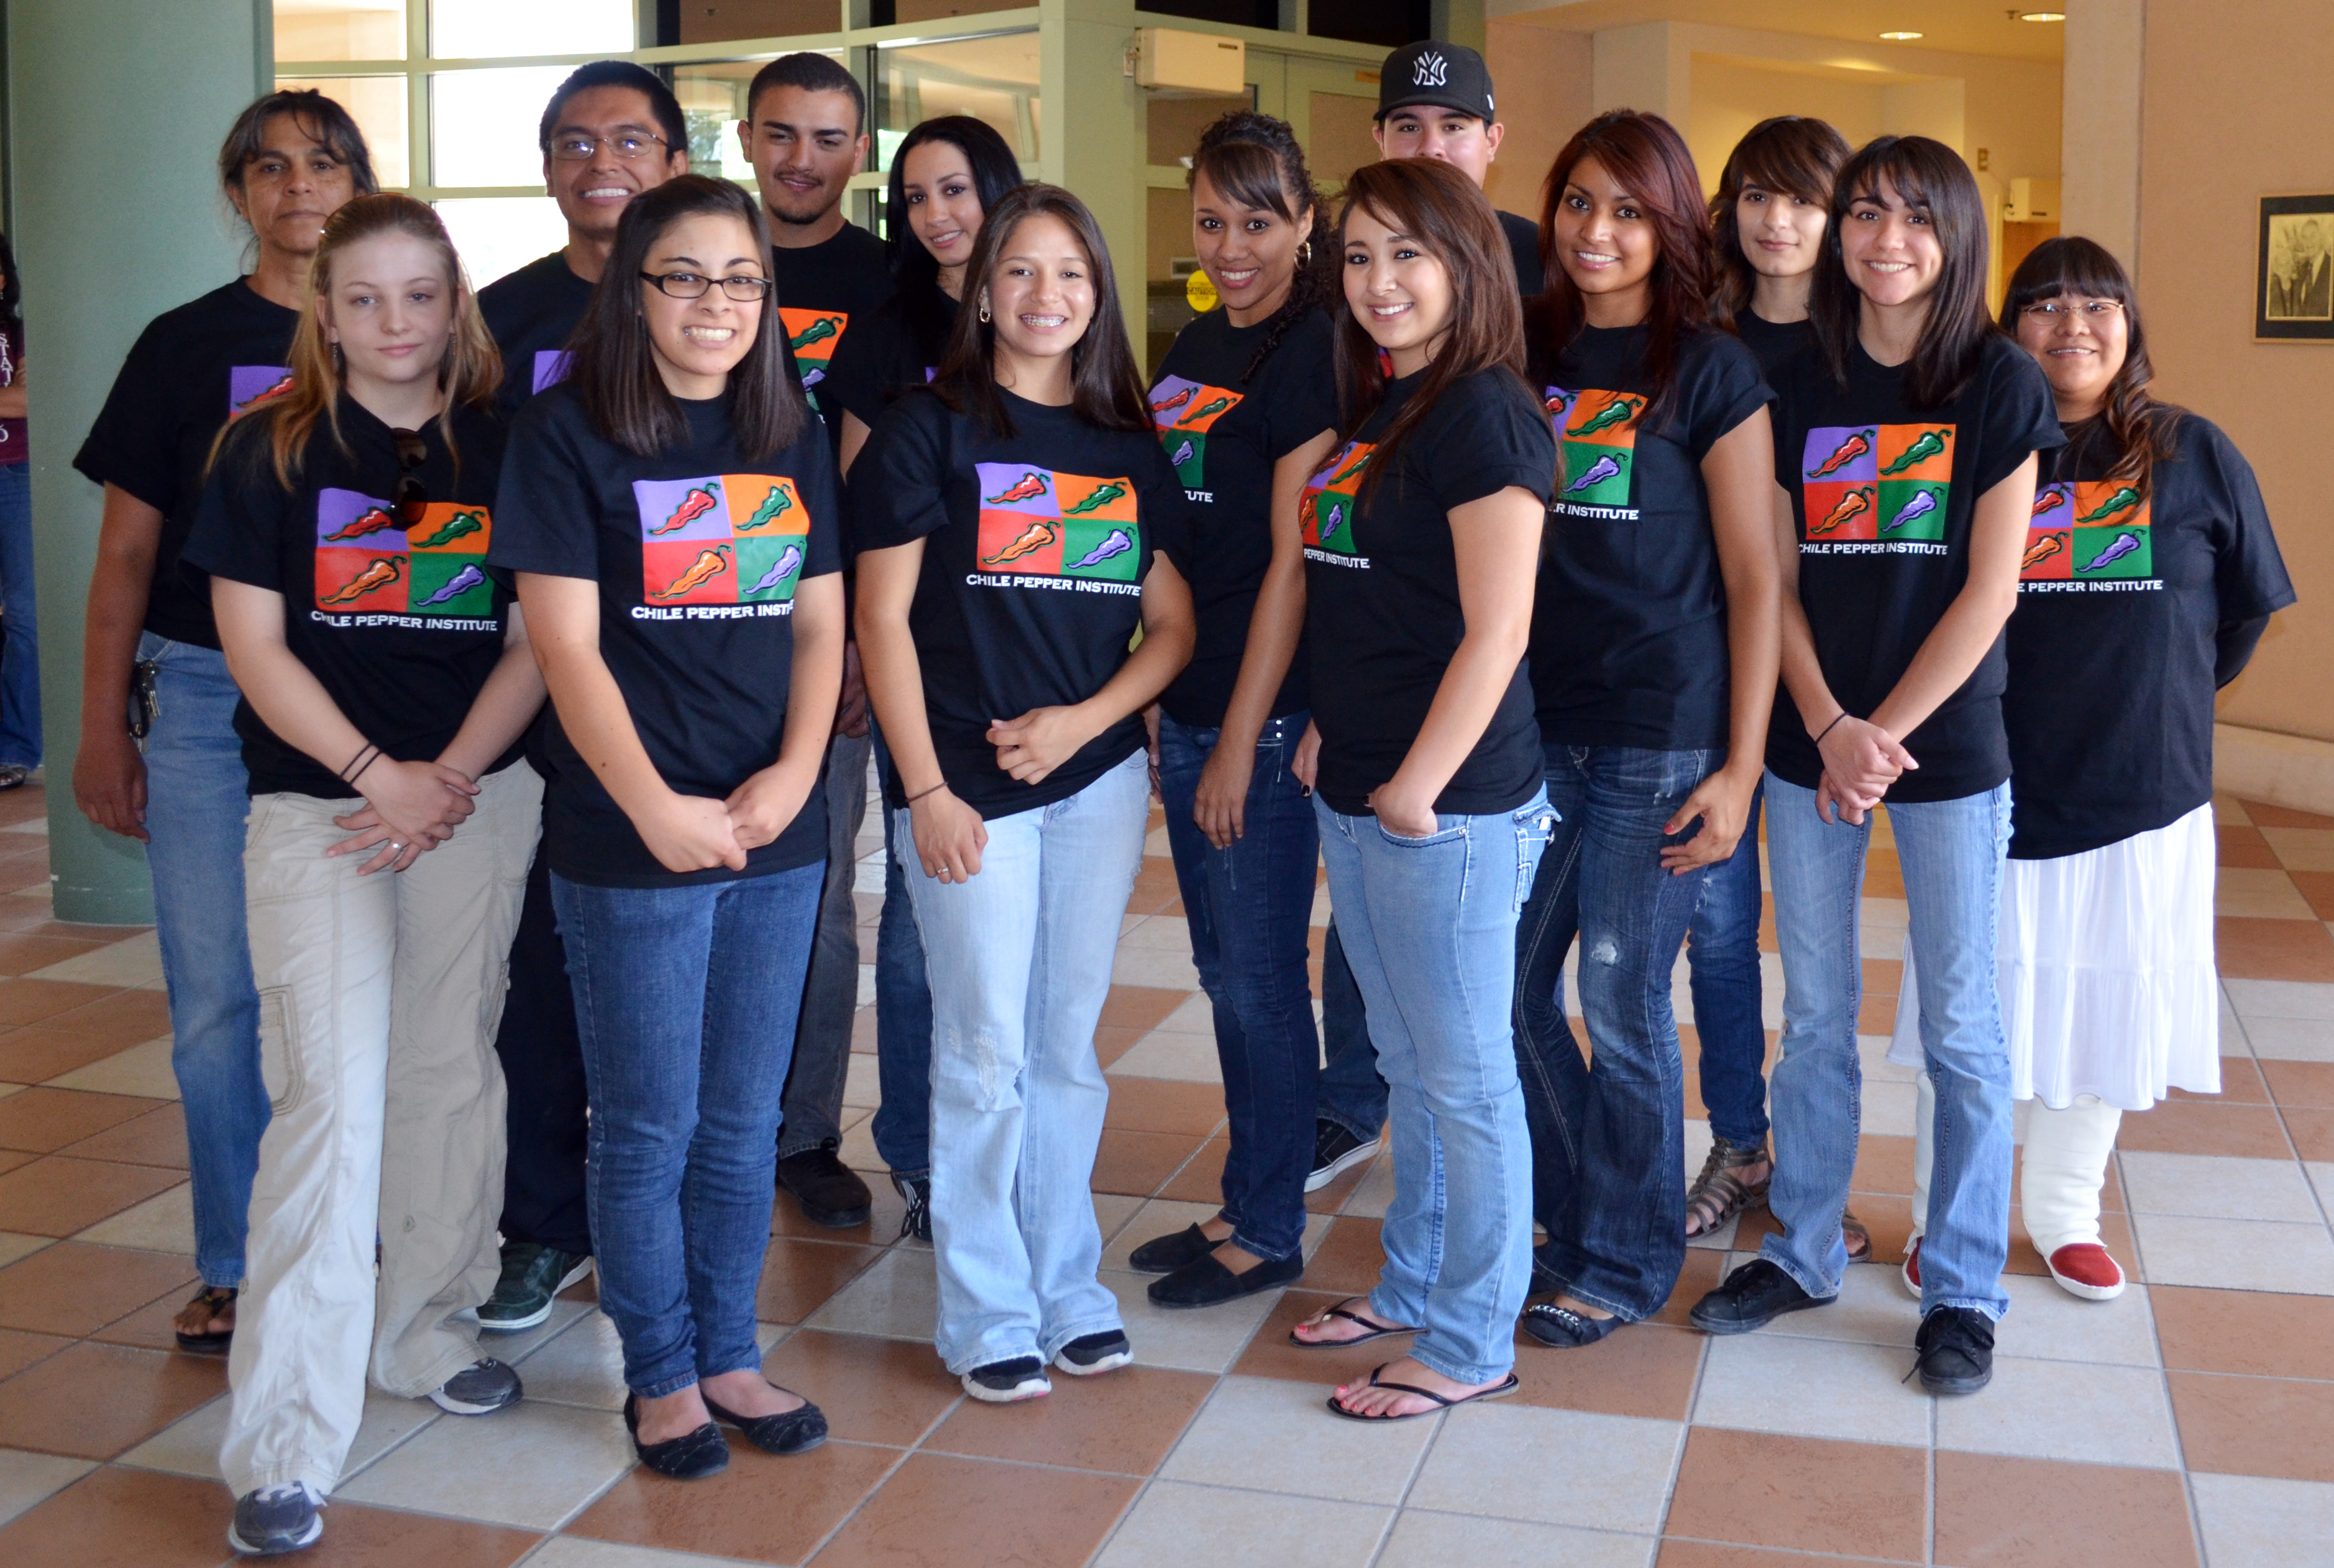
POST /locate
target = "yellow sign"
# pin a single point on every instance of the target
(1199, 289)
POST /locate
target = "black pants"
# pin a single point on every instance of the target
(543, 1066)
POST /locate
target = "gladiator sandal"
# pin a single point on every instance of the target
(1721, 1191)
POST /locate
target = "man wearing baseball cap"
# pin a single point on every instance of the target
(1434, 101)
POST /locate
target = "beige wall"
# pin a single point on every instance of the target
(2231, 114)
(1542, 77)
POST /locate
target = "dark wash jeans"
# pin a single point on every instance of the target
(542, 1067)
(685, 1000)
(1249, 908)
(1722, 951)
(1351, 1093)
(902, 1125)
(1608, 1179)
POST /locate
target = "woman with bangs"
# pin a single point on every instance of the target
(1421, 532)
(2149, 574)
(1654, 654)
(1906, 451)
(1767, 226)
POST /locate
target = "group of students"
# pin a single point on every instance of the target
(1470, 557)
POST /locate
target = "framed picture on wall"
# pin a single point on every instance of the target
(2294, 284)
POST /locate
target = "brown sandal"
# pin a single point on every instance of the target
(1720, 1193)
(216, 1301)
(1858, 1239)
(1377, 1331)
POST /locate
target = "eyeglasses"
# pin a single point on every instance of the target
(693, 286)
(627, 145)
(412, 495)
(2057, 311)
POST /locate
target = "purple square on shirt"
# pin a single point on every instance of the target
(356, 520)
(551, 366)
(246, 384)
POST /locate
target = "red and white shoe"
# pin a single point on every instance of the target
(2084, 1268)
(1911, 1273)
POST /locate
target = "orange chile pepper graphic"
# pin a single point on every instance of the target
(371, 520)
(693, 505)
(708, 565)
(1850, 504)
(1848, 452)
(1306, 508)
(2042, 549)
(1035, 537)
(384, 570)
(1028, 487)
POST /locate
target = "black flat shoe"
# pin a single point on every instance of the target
(1205, 1281)
(1562, 1329)
(787, 1432)
(691, 1457)
(1751, 1297)
(1166, 1254)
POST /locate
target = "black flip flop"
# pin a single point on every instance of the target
(213, 1297)
(1497, 1391)
(1377, 1331)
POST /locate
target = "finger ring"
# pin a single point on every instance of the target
(396, 848)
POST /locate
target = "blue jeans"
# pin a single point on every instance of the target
(1721, 953)
(20, 663)
(1608, 1136)
(1249, 908)
(685, 1000)
(1430, 927)
(1351, 1092)
(1021, 959)
(196, 798)
(902, 1125)
(1952, 853)
(822, 1059)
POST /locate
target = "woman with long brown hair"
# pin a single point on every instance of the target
(1655, 646)
(1421, 532)
(386, 679)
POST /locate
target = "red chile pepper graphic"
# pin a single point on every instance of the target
(1170, 405)
(1846, 452)
(693, 505)
(371, 520)
(2048, 500)
(1029, 488)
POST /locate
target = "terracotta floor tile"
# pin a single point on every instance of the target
(1704, 1266)
(1202, 1179)
(2115, 1234)
(2241, 1084)
(1883, 976)
(2313, 1134)
(156, 1137)
(1883, 1163)
(358, 1538)
(1645, 1369)
(2317, 888)
(1677, 1553)
(40, 1051)
(763, 1508)
(2207, 1127)
(1884, 877)
(1155, 886)
(21, 954)
(33, 1001)
(798, 1276)
(1887, 1218)
(1123, 1421)
(1348, 1259)
(45, 1120)
(2269, 816)
(2292, 1083)
(19, 1349)
(1165, 1105)
(2253, 1425)
(1996, 1512)
(1112, 1041)
(938, 1511)
(2258, 949)
(129, 1017)
(873, 1390)
(60, 1194)
(94, 1401)
(1330, 1199)
(1876, 1015)
(2257, 1333)
(150, 1327)
(1813, 1494)
(1270, 1355)
(880, 1228)
(1141, 1007)
(123, 1517)
(76, 1289)
(1137, 1163)
(2246, 847)
(10, 1159)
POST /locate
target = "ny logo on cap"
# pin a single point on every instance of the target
(1430, 71)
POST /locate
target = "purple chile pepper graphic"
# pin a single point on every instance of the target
(1923, 502)
(1599, 471)
(461, 582)
(1182, 454)
(1335, 520)
(789, 558)
(1115, 543)
(2125, 544)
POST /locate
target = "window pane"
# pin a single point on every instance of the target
(720, 21)
(377, 103)
(1175, 124)
(488, 29)
(482, 124)
(713, 99)
(1389, 22)
(1341, 140)
(339, 29)
(949, 10)
(990, 78)
(500, 235)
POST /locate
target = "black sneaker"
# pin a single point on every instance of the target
(477, 1390)
(274, 1520)
(918, 1190)
(1089, 1354)
(1956, 1350)
(1751, 1297)
(1007, 1383)
(532, 1276)
(1334, 1152)
(830, 1192)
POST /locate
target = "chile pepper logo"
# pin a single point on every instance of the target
(2123, 500)
(1212, 406)
(789, 558)
(1846, 452)
(1928, 444)
(1362, 460)
(1611, 417)
(275, 389)
(371, 520)
(1034, 538)
(1558, 403)
(693, 505)
(1603, 468)
(708, 565)
(775, 505)
(2126, 542)
(2043, 549)
(381, 573)
(1102, 496)
(1855, 503)
(1170, 405)
(1337, 520)
(2048, 500)
(1117, 541)
(818, 332)
(1923, 502)
(461, 582)
(1182, 454)
(1029, 488)
(461, 525)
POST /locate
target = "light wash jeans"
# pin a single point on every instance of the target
(196, 798)
(1019, 959)
(1951, 854)
(1429, 930)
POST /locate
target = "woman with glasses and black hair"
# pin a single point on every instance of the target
(385, 681)
(290, 160)
(670, 512)
(2149, 574)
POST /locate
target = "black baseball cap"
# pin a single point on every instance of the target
(1447, 75)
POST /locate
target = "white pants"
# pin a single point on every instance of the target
(378, 998)
(2065, 1165)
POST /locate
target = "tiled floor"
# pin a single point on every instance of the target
(2192, 1421)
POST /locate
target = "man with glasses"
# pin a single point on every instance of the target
(611, 131)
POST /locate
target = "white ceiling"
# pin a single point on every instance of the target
(1966, 27)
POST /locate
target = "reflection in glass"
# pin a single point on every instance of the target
(713, 100)
(500, 235)
(1340, 141)
(1175, 123)
(340, 30)
(377, 103)
(491, 29)
(992, 79)
(482, 124)
(720, 21)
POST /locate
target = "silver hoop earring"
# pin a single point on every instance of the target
(984, 315)
(1305, 254)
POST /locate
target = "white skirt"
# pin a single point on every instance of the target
(2106, 966)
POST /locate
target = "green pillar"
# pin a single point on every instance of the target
(1092, 140)
(1459, 22)
(106, 246)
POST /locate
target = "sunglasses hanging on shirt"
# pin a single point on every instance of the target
(412, 495)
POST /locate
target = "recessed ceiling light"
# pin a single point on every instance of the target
(2041, 15)
(1900, 37)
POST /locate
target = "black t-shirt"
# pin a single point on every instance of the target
(697, 551)
(1037, 544)
(1772, 341)
(1224, 434)
(1629, 622)
(1382, 613)
(884, 356)
(398, 620)
(1523, 250)
(822, 290)
(191, 371)
(1882, 495)
(532, 313)
(2109, 707)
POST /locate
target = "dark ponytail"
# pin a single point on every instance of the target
(1256, 161)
